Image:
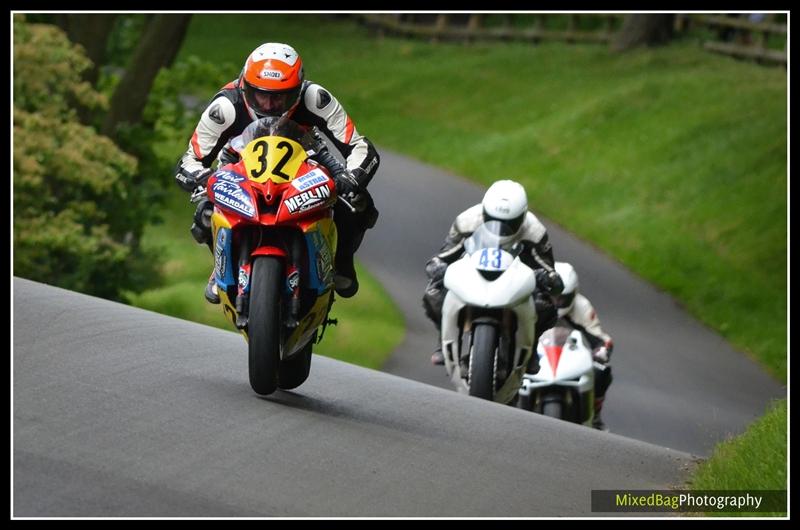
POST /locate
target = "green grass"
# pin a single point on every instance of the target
(672, 160)
(369, 328)
(756, 460)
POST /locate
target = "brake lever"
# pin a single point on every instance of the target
(198, 194)
(352, 208)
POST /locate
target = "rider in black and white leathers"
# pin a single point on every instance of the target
(227, 116)
(537, 254)
(229, 113)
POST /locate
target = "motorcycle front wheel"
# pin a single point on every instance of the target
(553, 407)
(293, 372)
(264, 332)
(482, 361)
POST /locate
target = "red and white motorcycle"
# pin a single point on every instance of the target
(564, 386)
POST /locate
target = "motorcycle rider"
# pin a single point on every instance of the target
(272, 83)
(504, 201)
(579, 313)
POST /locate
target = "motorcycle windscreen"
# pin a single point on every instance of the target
(491, 249)
(273, 150)
(492, 234)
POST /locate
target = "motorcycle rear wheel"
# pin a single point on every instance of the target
(264, 324)
(482, 361)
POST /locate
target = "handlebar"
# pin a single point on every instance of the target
(198, 194)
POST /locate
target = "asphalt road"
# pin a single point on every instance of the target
(121, 412)
(676, 383)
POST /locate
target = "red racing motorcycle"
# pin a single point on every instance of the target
(274, 242)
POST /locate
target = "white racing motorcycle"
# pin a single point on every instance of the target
(488, 316)
(564, 386)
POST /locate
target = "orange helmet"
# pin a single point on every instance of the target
(271, 79)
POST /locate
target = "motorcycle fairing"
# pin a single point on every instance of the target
(223, 252)
(508, 290)
(233, 196)
(572, 376)
(451, 333)
(321, 240)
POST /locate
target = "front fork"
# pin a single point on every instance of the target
(293, 281)
(243, 293)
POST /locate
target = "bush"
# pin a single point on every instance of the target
(75, 224)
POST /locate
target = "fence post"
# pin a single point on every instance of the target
(439, 27)
(570, 28)
(764, 35)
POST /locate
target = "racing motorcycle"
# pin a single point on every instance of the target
(274, 242)
(488, 316)
(564, 385)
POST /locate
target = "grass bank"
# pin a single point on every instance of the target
(673, 160)
(756, 460)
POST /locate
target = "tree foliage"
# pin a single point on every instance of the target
(73, 226)
(157, 48)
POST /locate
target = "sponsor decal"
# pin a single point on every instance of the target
(323, 257)
(229, 176)
(215, 115)
(309, 180)
(323, 98)
(293, 281)
(234, 197)
(321, 274)
(219, 252)
(307, 200)
(370, 166)
(244, 279)
(271, 74)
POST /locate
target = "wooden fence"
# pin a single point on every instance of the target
(740, 36)
(475, 26)
(732, 34)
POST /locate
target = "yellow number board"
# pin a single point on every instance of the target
(273, 158)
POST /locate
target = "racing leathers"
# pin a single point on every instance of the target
(537, 254)
(227, 115)
(583, 317)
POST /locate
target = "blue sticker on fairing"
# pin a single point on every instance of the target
(231, 195)
(222, 259)
(320, 263)
(309, 180)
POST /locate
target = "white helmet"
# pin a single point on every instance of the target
(566, 299)
(506, 201)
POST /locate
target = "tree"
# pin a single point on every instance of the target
(157, 48)
(90, 31)
(72, 187)
(644, 30)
